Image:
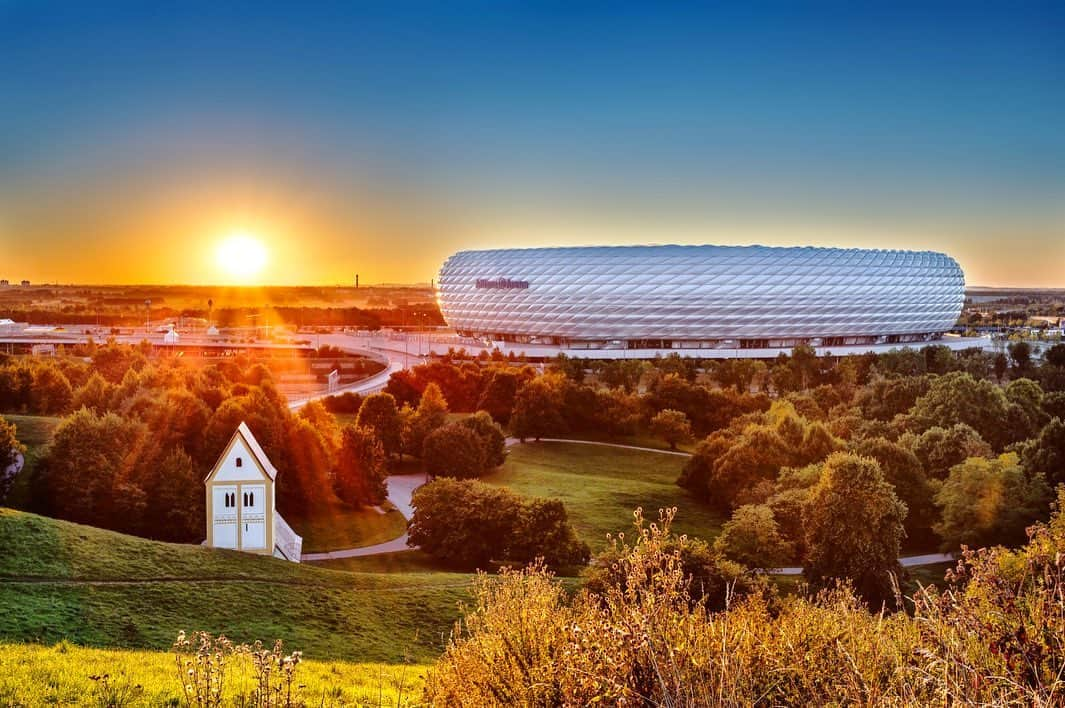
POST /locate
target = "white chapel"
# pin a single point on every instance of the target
(241, 504)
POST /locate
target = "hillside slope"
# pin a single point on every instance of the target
(60, 580)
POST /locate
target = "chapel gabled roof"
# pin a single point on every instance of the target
(243, 432)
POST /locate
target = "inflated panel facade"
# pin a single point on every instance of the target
(697, 293)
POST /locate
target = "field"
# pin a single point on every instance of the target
(102, 589)
(31, 675)
(601, 486)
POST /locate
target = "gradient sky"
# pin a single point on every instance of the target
(379, 137)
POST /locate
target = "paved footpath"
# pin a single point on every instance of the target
(401, 489)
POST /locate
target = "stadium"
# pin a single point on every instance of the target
(739, 298)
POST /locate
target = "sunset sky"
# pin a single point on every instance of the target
(377, 138)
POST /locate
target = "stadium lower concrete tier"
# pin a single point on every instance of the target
(538, 352)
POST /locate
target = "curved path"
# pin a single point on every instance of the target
(401, 489)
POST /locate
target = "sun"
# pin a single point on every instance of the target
(242, 256)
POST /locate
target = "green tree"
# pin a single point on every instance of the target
(939, 449)
(1055, 355)
(359, 475)
(1045, 454)
(95, 394)
(538, 409)
(493, 439)
(904, 472)
(959, 398)
(1000, 366)
(854, 528)
(672, 426)
(751, 537)
(379, 413)
(989, 502)
(455, 450)
(500, 389)
(1021, 356)
(543, 531)
(51, 393)
(90, 454)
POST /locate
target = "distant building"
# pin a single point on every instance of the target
(241, 504)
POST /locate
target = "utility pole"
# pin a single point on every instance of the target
(147, 316)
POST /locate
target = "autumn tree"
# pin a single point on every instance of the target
(537, 409)
(854, 528)
(672, 426)
(315, 413)
(430, 415)
(359, 475)
(990, 501)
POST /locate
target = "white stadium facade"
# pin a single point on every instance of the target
(707, 301)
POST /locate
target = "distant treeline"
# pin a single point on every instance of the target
(372, 318)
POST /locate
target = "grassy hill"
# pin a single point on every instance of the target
(98, 588)
(601, 486)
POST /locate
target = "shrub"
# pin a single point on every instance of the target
(751, 537)
(470, 524)
(997, 637)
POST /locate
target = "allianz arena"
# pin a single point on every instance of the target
(700, 297)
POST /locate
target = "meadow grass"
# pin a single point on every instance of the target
(33, 675)
(340, 526)
(601, 486)
(60, 580)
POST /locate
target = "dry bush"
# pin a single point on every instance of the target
(996, 636)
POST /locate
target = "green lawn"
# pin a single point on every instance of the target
(640, 439)
(98, 588)
(601, 486)
(35, 432)
(35, 675)
(343, 527)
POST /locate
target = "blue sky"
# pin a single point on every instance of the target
(382, 136)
